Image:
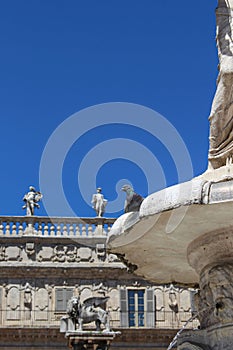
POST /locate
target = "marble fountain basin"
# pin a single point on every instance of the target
(157, 242)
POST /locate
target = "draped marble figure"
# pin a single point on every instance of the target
(221, 115)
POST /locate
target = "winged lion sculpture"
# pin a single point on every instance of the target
(88, 311)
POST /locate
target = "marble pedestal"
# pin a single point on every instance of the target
(90, 340)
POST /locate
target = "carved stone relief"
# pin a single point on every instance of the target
(41, 304)
(215, 298)
(100, 251)
(114, 301)
(160, 304)
(84, 254)
(55, 253)
(13, 303)
(71, 253)
(27, 295)
(2, 253)
(13, 253)
(45, 254)
(59, 253)
(30, 249)
(184, 304)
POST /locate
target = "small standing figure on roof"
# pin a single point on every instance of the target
(31, 200)
(98, 202)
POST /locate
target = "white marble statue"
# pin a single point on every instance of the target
(31, 200)
(221, 115)
(98, 202)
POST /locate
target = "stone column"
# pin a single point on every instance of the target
(211, 256)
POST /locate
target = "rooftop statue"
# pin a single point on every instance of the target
(221, 115)
(133, 200)
(98, 202)
(88, 311)
(31, 200)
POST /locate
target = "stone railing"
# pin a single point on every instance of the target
(54, 226)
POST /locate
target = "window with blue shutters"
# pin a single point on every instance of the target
(137, 307)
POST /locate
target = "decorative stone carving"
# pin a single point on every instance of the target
(27, 294)
(13, 303)
(184, 300)
(13, 253)
(41, 304)
(84, 254)
(59, 253)
(100, 251)
(220, 281)
(2, 253)
(30, 249)
(27, 301)
(114, 300)
(160, 304)
(45, 254)
(71, 253)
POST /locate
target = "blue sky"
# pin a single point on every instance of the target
(59, 57)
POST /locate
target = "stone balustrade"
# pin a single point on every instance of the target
(54, 226)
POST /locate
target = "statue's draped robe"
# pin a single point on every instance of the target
(221, 116)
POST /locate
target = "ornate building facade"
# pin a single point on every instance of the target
(45, 261)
